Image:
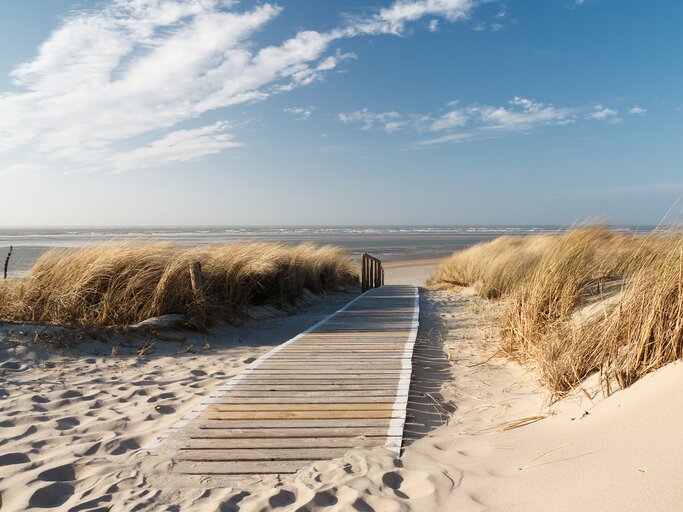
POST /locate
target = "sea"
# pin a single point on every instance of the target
(383, 242)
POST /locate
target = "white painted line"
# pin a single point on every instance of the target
(398, 420)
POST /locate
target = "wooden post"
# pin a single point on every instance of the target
(9, 254)
(197, 281)
(372, 272)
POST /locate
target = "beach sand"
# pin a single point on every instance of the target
(479, 433)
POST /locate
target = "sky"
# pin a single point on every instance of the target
(438, 112)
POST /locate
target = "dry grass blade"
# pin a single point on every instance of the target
(509, 425)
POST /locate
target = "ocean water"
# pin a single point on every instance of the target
(384, 242)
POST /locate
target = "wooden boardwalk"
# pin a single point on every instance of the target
(340, 385)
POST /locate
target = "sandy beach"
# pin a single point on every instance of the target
(358, 256)
(480, 434)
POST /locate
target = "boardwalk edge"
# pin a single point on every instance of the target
(401, 404)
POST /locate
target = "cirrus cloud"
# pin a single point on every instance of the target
(105, 78)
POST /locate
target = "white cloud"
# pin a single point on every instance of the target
(141, 67)
(451, 138)
(636, 110)
(521, 114)
(387, 121)
(178, 146)
(433, 25)
(393, 19)
(463, 123)
(301, 114)
(449, 120)
(601, 113)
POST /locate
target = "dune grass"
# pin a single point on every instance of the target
(545, 279)
(125, 283)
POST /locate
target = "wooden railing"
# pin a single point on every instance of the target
(372, 275)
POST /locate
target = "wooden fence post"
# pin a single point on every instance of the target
(9, 254)
(372, 272)
(199, 311)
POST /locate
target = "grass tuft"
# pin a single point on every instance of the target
(128, 282)
(584, 301)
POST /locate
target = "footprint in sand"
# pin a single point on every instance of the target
(40, 399)
(164, 409)
(362, 506)
(71, 394)
(324, 499)
(12, 366)
(51, 496)
(13, 458)
(283, 498)
(63, 473)
(198, 373)
(393, 480)
(93, 505)
(121, 447)
(67, 423)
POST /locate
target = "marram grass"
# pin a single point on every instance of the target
(544, 280)
(124, 283)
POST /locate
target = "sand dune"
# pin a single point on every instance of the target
(479, 433)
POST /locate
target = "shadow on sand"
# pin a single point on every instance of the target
(427, 409)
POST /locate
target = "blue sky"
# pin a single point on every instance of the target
(160, 112)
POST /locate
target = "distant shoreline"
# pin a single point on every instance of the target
(389, 243)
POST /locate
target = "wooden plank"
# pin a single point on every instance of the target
(358, 350)
(269, 454)
(260, 406)
(211, 414)
(284, 443)
(240, 468)
(307, 423)
(288, 433)
(282, 393)
(313, 386)
(298, 375)
(288, 400)
(324, 371)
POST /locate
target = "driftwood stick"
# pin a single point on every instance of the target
(9, 254)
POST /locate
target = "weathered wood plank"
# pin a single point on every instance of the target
(288, 433)
(325, 377)
(316, 386)
(301, 407)
(320, 400)
(260, 372)
(303, 395)
(307, 423)
(267, 454)
(240, 468)
(292, 443)
(211, 414)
